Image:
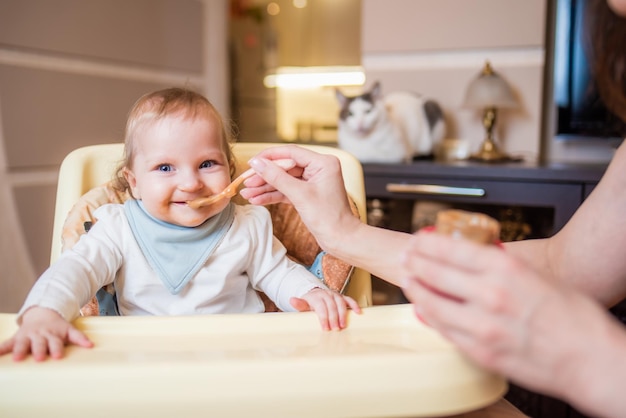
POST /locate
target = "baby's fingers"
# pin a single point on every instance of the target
(337, 311)
(77, 337)
(38, 347)
(20, 346)
(331, 308)
(7, 346)
(338, 307)
(316, 301)
(57, 345)
(352, 304)
(56, 348)
(322, 313)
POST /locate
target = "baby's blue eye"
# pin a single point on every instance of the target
(207, 164)
(164, 167)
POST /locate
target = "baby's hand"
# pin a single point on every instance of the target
(331, 307)
(43, 331)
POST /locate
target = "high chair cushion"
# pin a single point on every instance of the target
(288, 228)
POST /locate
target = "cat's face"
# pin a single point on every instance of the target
(360, 114)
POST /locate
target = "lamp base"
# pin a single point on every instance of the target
(490, 153)
(493, 156)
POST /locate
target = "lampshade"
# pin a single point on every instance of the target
(489, 90)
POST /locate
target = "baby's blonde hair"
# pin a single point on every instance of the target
(162, 103)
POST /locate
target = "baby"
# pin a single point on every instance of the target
(163, 256)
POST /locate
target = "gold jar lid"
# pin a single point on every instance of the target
(474, 226)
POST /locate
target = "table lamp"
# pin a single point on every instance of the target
(490, 92)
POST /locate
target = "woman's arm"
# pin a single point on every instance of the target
(590, 251)
(316, 188)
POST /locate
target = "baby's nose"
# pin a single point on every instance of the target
(190, 182)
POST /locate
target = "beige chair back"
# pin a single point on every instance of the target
(94, 165)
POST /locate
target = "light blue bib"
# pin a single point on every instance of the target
(176, 253)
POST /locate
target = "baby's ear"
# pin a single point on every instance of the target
(132, 182)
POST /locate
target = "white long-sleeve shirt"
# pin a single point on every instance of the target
(248, 258)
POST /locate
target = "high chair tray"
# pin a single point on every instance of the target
(386, 363)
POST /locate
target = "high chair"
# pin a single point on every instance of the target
(86, 169)
(187, 365)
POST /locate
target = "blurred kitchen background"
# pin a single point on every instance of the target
(301, 39)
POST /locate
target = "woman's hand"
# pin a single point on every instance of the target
(42, 332)
(330, 306)
(315, 187)
(313, 177)
(506, 317)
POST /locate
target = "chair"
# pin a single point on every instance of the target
(88, 167)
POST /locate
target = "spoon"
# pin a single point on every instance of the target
(231, 189)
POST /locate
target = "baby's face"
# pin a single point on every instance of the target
(176, 160)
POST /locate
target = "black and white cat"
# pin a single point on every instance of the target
(389, 129)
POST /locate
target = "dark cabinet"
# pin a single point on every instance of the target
(558, 189)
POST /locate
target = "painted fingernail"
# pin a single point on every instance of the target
(418, 315)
